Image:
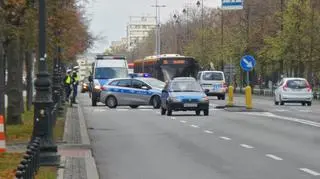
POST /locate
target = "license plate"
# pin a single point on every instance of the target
(190, 105)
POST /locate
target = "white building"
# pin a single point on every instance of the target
(139, 28)
(120, 44)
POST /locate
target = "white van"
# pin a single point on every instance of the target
(213, 83)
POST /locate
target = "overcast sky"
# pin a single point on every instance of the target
(109, 17)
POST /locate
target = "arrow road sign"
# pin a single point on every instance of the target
(247, 63)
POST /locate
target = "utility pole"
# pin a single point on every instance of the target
(202, 26)
(157, 31)
(43, 125)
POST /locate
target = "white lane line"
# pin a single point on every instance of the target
(145, 109)
(122, 109)
(183, 121)
(194, 126)
(274, 157)
(158, 112)
(246, 146)
(224, 138)
(281, 110)
(314, 173)
(208, 132)
(173, 118)
(302, 121)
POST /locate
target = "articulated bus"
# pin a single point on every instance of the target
(167, 66)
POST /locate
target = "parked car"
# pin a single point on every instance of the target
(293, 90)
(213, 83)
(184, 94)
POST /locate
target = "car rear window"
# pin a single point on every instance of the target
(212, 76)
(296, 84)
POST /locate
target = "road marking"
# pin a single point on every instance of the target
(281, 110)
(209, 132)
(314, 173)
(305, 110)
(99, 110)
(173, 118)
(224, 138)
(302, 121)
(274, 157)
(158, 112)
(194, 126)
(183, 121)
(145, 109)
(246, 146)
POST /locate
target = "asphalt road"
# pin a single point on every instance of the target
(142, 144)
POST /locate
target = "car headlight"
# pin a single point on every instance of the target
(174, 99)
(205, 99)
(97, 87)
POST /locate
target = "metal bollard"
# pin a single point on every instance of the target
(37, 157)
(248, 97)
(31, 153)
(19, 175)
(21, 171)
(24, 162)
(35, 149)
(27, 157)
(230, 96)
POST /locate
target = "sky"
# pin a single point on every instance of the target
(110, 17)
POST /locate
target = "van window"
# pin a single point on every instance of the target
(212, 76)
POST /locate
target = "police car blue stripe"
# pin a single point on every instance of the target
(133, 91)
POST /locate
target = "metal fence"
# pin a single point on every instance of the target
(30, 163)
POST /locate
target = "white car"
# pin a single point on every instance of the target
(213, 83)
(293, 90)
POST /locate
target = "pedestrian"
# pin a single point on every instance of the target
(75, 83)
(67, 84)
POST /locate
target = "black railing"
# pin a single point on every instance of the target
(30, 163)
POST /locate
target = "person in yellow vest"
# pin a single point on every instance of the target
(75, 84)
(67, 84)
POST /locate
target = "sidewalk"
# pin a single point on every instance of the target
(77, 161)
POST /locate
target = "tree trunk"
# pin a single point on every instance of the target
(20, 72)
(29, 69)
(14, 87)
(2, 80)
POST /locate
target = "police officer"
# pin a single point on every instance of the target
(75, 83)
(67, 84)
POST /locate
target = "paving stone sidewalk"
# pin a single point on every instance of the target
(77, 161)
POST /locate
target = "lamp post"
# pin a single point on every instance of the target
(43, 99)
(202, 38)
(177, 21)
(158, 36)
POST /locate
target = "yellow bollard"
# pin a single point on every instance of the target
(230, 96)
(248, 97)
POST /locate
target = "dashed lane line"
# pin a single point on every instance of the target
(309, 171)
(246, 146)
(183, 121)
(173, 118)
(274, 157)
(194, 126)
(224, 138)
(208, 132)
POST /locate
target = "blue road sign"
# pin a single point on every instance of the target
(232, 4)
(247, 63)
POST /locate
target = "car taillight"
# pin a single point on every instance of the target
(285, 87)
(308, 86)
(103, 88)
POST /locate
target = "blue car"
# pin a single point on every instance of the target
(184, 94)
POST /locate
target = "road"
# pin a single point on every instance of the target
(142, 144)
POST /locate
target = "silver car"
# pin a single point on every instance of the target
(132, 92)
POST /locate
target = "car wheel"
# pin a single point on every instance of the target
(223, 97)
(163, 111)
(303, 103)
(218, 97)
(169, 112)
(111, 102)
(198, 112)
(206, 112)
(309, 103)
(156, 102)
(275, 101)
(94, 100)
(134, 106)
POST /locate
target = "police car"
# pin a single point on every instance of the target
(184, 94)
(132, 92)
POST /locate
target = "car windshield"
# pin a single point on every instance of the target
(297, 84)
(185, 86)
(218, 76)
(108, 73)
(153, 82)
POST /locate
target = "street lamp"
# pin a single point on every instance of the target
(43, 100)
(202, 38)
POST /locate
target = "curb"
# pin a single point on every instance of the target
(91, 168)
(61, 167)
